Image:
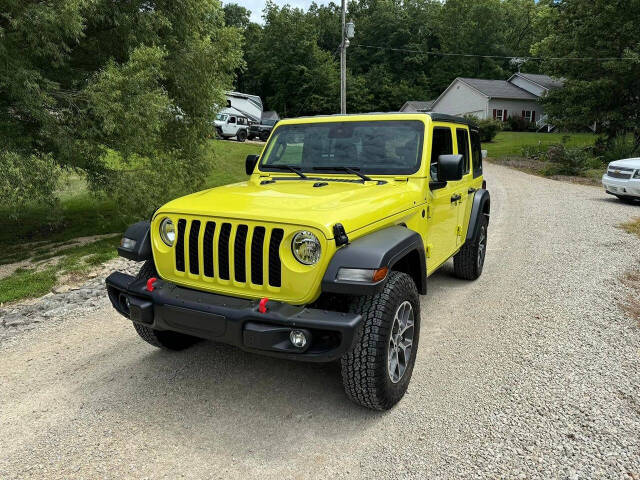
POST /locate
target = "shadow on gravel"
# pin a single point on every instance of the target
(219, 397)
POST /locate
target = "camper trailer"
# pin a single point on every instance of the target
(241, 111)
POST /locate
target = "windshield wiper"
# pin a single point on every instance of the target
(291, 168)
(351, 170)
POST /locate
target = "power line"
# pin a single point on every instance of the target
(504, 57)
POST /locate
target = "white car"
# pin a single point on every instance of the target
(622, 179)
(229, 125)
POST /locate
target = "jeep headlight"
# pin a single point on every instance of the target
(306, 248)
(167, 231)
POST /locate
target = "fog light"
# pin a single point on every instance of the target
(298, 338)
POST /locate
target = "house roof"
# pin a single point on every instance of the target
(417, 106)
(498, 89)
(544, 81)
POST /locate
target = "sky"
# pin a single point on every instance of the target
(256, 6)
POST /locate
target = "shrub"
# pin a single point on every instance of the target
(567, 161)
(520, 124)
(617, 148)
(488, 128)
(26, 180)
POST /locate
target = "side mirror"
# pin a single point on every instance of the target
(450, 167)
(250, 163)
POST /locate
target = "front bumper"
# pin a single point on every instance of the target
(235, 321)
(621, 186)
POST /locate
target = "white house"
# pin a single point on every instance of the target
(498, 99)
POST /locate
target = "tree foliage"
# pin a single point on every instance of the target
(605, 92)
(109, 87)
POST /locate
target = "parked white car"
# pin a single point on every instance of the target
(622, 179)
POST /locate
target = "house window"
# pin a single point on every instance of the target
(529, 115)
(500, 115)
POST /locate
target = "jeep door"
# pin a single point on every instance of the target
(442, 237)
(465, 190)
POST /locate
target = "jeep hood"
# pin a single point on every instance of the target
(299, 202)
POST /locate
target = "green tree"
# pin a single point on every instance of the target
(111, 88)
(602, 91)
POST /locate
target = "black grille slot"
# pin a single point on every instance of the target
(193, 247)
(207, 248)
(257, 243)
(239, 245)
(223, 251)
(274, 257)
(182, 224)
(619, 173)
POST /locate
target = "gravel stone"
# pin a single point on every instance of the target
(529, 372)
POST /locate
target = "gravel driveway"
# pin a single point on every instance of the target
(531, 372)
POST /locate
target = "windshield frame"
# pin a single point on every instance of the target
(263, 167)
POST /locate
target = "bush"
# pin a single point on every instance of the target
(617, 148)
(26, 180)
(488, 128)
(567, 161)
(520, 124)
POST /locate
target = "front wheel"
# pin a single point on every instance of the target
(377, 370)
(241, 135)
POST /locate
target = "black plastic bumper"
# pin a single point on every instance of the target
(235, 321)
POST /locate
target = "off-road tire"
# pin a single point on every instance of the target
(165, 339)
(265, 136)
(469, 261)
(241, 136)
(365, 368)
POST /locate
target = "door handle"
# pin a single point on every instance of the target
(456, 197)
(471, 190)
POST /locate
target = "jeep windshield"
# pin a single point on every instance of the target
(387, 147)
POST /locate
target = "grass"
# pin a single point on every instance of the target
(632, 227)
(507, 149)
(43, 235)
(510, 144)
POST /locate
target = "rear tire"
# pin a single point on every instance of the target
(241, 135)
(469, 261)
(377, 370)
(264, 136)
(164, 339)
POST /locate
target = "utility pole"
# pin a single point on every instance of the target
(348, 31)
(343, 61)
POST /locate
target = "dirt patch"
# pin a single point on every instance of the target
(534, 167)
(48, 254)
(631, 303)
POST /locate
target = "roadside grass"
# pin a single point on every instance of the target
(632, 226)
(510, 144)
(42, 237)
(506, 149)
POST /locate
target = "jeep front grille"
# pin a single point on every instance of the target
(230, 249)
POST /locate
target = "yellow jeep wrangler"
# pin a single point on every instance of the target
(322, 254)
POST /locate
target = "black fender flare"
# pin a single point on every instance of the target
(384, 248)
(140, 233)
(481, 206)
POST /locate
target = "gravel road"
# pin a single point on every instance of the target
(533, 371)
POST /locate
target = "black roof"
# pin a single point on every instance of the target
(436, 117)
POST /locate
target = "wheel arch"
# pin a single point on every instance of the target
(396, 248)
(481, 206)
